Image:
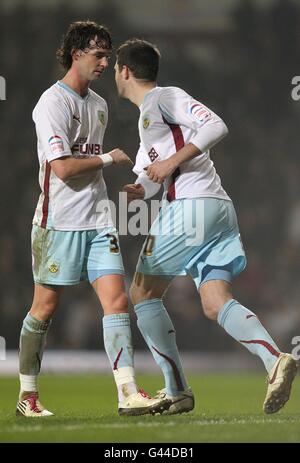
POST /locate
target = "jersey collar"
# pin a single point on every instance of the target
(70, 90)
(146, 96)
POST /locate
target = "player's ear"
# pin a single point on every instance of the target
(125, 72)
(75, 54)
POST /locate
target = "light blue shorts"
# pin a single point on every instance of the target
(197, 237)
(68, 257)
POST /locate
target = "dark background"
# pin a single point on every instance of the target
(238, 58)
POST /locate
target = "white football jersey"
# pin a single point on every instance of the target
(69, 125)
(170, 119)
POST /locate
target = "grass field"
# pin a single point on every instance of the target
(228, 409)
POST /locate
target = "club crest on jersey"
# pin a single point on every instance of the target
(101, 117)
(146, 122)
(200, 111)
(53, 268)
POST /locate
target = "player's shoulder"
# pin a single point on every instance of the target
(96, 98)
(168, 95)
(171, 92)
(53, 95)
(51, 100)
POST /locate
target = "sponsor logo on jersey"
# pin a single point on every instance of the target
(53, 268)
(153, 154)
(56, 144)
(146, 122)
(86, 148)
(77, 118)
(200, 111)
(101, 117)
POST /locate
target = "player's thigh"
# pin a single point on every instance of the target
(57, 256)
(45, 301)
(167, 247)
(111, 292)
(221, 255)
(102, 255)
(145, 287)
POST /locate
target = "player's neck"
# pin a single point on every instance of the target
(138, 91)
(76, 83)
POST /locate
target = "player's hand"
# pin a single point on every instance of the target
(134, 191)
(119, 157)
(160, 170)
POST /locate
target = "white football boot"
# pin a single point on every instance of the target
(182, 403)
(279, 382)
(30, 406)
(140, 403)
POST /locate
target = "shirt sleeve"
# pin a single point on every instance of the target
(52, 122)
(177, 107)
(151, 188)
(142, 160)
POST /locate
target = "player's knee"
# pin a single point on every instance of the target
(43, 310)
(135, 293)
(119, 303)
(138, 294)
(214, 294)
(210, 309)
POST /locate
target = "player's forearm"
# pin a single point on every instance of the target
(186, 153)
(209, 135)
(75, 167)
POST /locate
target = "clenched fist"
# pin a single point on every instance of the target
(134, 191)
(119, 157)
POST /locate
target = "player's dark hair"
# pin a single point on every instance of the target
(78, 37)
(141, 57)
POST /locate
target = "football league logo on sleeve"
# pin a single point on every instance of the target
(199, 111)
(56, 144)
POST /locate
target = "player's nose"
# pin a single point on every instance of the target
(104, 61)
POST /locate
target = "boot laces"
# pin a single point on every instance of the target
(33, 403)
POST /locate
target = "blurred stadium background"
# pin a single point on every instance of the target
(239, 58)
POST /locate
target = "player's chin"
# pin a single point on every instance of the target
(96, 75)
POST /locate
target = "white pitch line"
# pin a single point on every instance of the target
(141, 424)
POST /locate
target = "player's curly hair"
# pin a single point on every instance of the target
(141, 57)
(78, 37)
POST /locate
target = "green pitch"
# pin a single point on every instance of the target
(228, 409)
